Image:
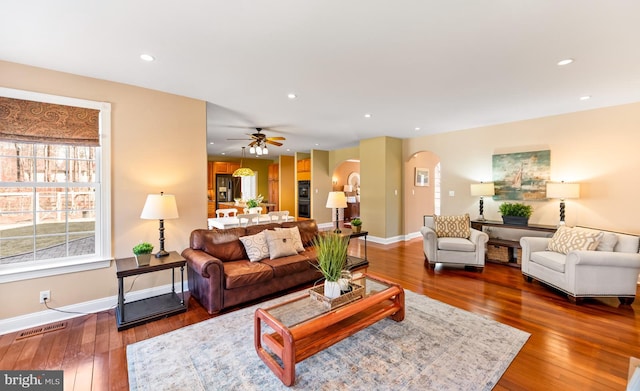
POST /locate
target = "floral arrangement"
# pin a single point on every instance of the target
(254, 202)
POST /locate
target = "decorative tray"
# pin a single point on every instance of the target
(357, 292)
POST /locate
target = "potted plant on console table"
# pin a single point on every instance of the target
(142, 252)
(515, 213)
(356, 224)
(331, 250)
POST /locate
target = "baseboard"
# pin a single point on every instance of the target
(88, 307)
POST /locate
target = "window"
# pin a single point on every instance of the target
(54, 200)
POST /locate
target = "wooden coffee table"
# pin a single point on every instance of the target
(303, 327)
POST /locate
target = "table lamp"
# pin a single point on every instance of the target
(160, 207)
(482, 189)
(563, 190)
(337, 200)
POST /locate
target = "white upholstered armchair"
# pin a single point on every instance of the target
(584, 263)
(450, 239)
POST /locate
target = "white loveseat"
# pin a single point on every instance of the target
(463, 249)
(610, 269)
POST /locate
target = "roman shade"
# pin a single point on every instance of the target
(40, 122)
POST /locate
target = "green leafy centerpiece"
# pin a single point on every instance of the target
(515, 213)
(331, 251)
(142, 252)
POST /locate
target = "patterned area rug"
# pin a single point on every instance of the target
(436, 347)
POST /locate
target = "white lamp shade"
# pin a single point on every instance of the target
(483, 189)
(563, 190)
(336, 199)
(160, 207)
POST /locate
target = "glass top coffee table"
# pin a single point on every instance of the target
(304, 326)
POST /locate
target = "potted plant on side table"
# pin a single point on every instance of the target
(515, 213)
(331, 251)
(356, 224)
(142, 252)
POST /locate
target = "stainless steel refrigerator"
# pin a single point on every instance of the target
(228, 187)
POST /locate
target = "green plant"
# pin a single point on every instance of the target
(516, 209)
(254, 202)
(331, 251)
(143, 248)
(356, 222)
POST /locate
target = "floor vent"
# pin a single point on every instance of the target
(42, 330)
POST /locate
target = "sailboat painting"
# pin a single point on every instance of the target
(522, 175)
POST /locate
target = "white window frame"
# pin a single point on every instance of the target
(102, 257)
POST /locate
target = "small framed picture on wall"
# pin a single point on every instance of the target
(422, 176)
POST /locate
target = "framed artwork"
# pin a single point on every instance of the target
(422, 176)
(522, 175)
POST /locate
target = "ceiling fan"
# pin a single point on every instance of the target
(259, 141)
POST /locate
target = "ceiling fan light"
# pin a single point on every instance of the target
(258, 150)
(265, 151)
(252, 150)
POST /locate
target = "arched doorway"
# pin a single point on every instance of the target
(422, 184)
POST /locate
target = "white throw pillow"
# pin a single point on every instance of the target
(256, 246)
(295, 236)
(280, 243)
(569, 239)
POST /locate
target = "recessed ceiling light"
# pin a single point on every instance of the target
(316, 144)
(147, 57)
(566, 61)
(288, 150)
(586, 97)
(291, 95)
(211, 143)
(416, 128)
(223, 153)
(367, 115)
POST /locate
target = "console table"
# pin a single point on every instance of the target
(142, 311)
(508, 249)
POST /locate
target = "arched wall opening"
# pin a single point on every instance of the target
(422, 193)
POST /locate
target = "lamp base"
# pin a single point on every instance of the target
(161, 254)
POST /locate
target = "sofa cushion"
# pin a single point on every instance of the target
(256, 246)
(242, 273)
(280, 243)
(295, 236)
(549, 259)
(456, 244)
(286, 266)
(452, 226)
(222, 244)
(567, 239)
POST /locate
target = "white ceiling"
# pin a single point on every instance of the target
(438, 65)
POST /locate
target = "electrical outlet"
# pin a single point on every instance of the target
(45, 295)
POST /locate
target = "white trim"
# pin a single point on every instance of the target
(102, 257)
(88, 307)
(34, 270)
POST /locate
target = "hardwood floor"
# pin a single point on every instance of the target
(571, 347)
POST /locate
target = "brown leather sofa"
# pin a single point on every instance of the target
(221, 275)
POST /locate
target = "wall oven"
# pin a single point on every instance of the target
(304, 199)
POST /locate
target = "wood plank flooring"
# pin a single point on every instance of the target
(571, 347)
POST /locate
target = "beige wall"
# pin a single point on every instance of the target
(320, 185)
(597, 148)
(158, 144)
(381, 186)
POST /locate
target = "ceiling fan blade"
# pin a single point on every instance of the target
(235, 139)
(277, 144)
(276, 138)
(253, 143)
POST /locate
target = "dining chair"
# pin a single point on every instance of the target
(256, 209)
(246, 219)
(278, 216)
(230, 212)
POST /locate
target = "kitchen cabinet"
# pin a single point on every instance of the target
(273, 185)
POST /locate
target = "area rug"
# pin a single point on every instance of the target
(436, 347)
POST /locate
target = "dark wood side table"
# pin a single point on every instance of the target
(512, 246)
(152, 308)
